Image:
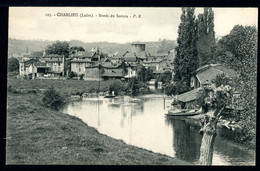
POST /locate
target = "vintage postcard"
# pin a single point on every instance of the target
(131, 86)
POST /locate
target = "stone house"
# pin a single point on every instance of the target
(202, 77)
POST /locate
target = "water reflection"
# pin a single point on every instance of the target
(186, 141)
(141, 122)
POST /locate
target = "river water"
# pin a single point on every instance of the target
(142, 122)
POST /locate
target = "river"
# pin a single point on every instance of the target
(142, 122)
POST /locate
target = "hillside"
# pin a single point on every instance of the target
(16, 46)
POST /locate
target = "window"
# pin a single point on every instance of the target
(79, 69)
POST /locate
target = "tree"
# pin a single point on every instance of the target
(214, 100)
(206, 37)
(75, 49)
(165, 46)
(13, 64)
(59, 48)
(186, 61)
(238, 50)
(52, 99)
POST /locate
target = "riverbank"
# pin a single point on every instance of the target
(38, 135)
(65, 87)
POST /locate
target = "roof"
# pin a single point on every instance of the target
(141, 55)
(130, 55)
(110, 66)
(114, 73)
(41, 65)
(119, 54)
(207, 73)
(158, 54)
(27, 60)
(34, 54)
(53, 56)
(55, 59)
(83, 54)
(80, 61)
(188, 96)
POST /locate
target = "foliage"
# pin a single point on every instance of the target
(11, 89)
(81, 76)
(165, 46)
(165, 77)
(176, 88)
(212, 97)
(60, 48)
(13, 65)
(117, 86)
(75, 49)
(221, 80)
(170, 89)
(52, 99)
(238, 49)
(206, 37)
(137, 87)
(186, 61)
(144, 74)
(72, 74)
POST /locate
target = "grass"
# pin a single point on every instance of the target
(66, 87)
(37, 135)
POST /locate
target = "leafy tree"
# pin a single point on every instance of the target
(117, 86)
(238, 49)
(72, 74)
(186, 61)
(206, 37)
(75, 49)
(60, 48)
(13, 64)
(165, 77)
(165, 46)
(52, 99)
(221, 80)
(144, 74)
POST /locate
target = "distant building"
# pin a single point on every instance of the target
(82, 59)
(137, 47)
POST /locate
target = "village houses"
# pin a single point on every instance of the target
(94, 65)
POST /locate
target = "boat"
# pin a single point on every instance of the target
(182, 112)
(110, 95)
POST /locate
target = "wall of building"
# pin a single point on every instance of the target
(92, 74)
(79, 67)
(137, 48)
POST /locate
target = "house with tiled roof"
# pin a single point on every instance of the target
(202, 77)
(205, 74)
(82, 59)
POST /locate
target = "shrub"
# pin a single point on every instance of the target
(117, 86)
(81, 76)
(72, 74)
(52, 99)
(12, 90)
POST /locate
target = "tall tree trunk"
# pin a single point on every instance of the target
(208, 130)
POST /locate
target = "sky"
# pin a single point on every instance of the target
(142, 24)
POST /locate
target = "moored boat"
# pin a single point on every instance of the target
(182, 112)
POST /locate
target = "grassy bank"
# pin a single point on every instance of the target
(66, 87)
(38, 135)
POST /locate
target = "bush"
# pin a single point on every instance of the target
(72, 74)
(12, 90)
(117, 86)
(81, 76)
(52, 99)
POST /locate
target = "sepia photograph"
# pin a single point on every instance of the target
(132, 86)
